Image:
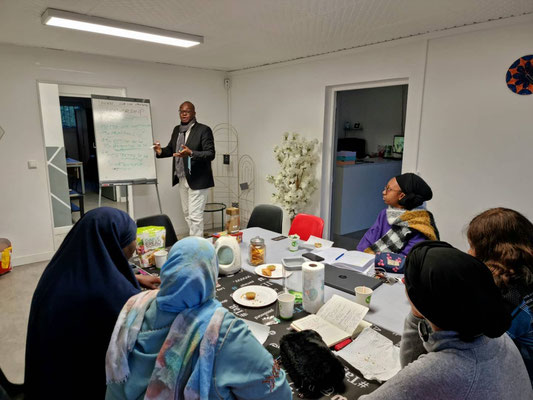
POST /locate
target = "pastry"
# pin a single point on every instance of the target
(271, 267)
(250, 295)
(266, 272)
(318, 245)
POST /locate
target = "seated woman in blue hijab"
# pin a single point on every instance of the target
(178, 342)
(75, 306)
(404, 222)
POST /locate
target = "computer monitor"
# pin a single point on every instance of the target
(397, 146)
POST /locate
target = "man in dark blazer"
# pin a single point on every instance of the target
(193, 149)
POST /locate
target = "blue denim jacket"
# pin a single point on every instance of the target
(521, 331)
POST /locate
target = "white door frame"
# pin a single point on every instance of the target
(328, 140)
(76, 90)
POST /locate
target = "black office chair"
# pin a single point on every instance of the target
(10, 391)
(267, 217)
(160, 220)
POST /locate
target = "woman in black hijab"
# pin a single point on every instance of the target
(75, 307)
(454, 344)
(404, 222)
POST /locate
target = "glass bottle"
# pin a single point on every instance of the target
(257, 254)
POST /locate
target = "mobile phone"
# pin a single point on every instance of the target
(312, 257)
(279, 238)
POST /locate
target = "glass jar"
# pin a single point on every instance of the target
(257, 254)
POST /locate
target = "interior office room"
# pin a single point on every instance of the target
(266, 68)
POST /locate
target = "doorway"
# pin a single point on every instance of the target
(368, 137)
(78, 139)
(80, 152)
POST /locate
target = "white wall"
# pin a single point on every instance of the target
(25, 213)
(475, 135)
(266, 103)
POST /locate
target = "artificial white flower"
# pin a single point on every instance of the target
(295, 182)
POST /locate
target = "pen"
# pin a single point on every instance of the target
(339, 256)
(143, 272)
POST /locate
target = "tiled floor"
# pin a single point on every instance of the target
(16, 288)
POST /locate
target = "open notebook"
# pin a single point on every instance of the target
(337, 320)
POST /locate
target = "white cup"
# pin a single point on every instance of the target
(294, 242)
(286, 305)
(363, 295)
(160, 258)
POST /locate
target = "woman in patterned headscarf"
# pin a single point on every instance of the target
(405, 222)
(180, 343)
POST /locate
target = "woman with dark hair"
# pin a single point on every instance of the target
(178, 342)
(503, 240)
(75, 306)
(454, 344)
(404, 222)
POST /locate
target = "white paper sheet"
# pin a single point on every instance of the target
(343, 313)
(329, 254)
(260, 331)
(373, 355)
(310, 243)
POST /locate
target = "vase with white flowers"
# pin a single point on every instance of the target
(295, 182)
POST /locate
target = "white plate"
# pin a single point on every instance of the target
(276, 274)
(263, 296)
(310, 243)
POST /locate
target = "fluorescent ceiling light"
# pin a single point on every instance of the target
(66, 19)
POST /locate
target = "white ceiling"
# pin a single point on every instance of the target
(246, 33)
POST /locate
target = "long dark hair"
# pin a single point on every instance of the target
(503, 239)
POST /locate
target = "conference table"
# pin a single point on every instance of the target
(387, 311)
(389, 304)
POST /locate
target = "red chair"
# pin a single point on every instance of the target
(305, 225)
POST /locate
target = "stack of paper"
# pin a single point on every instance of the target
(346, 157)
(342, 258)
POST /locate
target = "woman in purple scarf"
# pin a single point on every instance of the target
(404, 222)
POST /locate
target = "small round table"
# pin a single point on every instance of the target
(214, 207)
